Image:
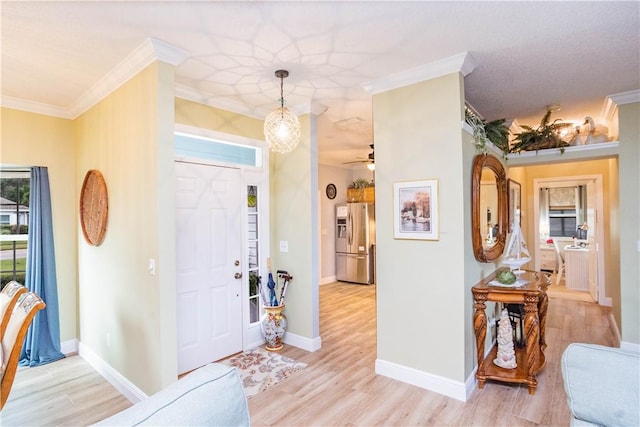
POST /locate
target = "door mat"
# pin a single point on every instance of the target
(260, 369)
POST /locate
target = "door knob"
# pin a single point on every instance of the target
(238, 275)
(236, 262)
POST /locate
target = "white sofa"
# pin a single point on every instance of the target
(602, 385)
(209, 396)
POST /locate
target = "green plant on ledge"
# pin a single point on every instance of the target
(546, 135)
(361, 183)
(496, 132)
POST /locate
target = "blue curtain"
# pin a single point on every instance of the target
(42, 343)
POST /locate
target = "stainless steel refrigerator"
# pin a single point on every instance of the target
(355, 243)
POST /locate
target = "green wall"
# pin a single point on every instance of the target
(423, 287)
(629, 159)
(294, 219)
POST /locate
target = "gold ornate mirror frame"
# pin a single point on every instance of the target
(482, 252)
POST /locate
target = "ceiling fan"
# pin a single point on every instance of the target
(370, 160)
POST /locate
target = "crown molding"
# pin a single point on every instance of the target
(191, 94)
(611, 102)
(462, 63)
(149, 51)
(312, 107)
(625, 97)
(35, 107)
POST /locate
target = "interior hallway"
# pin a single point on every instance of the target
(339, 386)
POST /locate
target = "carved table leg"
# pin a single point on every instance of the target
(542, 315)
(532, 334)
(480, 327)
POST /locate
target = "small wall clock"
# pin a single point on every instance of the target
(331, 191)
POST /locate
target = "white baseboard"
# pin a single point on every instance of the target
(123, 385)
(327, 280)
(69, 347)
(438, 384)
(308, 344)
(616, 330)
(629, 346)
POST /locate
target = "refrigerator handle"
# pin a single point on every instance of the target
(350, 228)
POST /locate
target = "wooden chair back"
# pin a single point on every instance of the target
(8, 298)
(25, 310)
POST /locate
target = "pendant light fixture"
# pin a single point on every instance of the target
(282, 127)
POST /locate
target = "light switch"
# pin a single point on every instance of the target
(284, 246)
(152, 266)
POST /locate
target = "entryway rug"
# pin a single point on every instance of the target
(260, 369)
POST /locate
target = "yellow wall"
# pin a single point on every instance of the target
(127, 316)
(423, 287)
(202, 116)
(526, 175)
(35, 140)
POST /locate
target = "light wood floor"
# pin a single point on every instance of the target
(339, 386)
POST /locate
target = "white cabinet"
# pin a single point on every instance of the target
(548, 259)
(576, 261)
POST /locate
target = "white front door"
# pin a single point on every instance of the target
(208, 259)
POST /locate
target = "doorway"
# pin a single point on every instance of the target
(589, 215)
(208, 263)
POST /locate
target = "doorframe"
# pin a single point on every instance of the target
(249, 175)
(568, 181)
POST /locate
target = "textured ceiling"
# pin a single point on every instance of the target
(529, 54)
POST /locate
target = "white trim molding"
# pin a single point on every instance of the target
(69, 347)
(626, 97)
(445, 386)
(35, 107)
(308, 344)
(149, 51)
(629, 346)
(194, 95)
(611, 102)
(462, 63)
(115, 378)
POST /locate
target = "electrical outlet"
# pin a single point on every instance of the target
(284, 246)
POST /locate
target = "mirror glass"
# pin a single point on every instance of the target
(488, 208)
(488, 204)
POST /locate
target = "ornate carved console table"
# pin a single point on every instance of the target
(530, 360)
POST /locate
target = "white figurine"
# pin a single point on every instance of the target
(506, 354)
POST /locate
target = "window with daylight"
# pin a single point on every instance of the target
(220, 151)
(14, 224)
(253, 244)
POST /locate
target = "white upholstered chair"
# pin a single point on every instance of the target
(23, 313)
(8, 298)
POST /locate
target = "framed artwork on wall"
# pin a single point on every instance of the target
(514, 199)
(415, 210)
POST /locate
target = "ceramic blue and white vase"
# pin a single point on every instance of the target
(274, 325)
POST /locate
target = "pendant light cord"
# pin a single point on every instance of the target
(282, 97)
